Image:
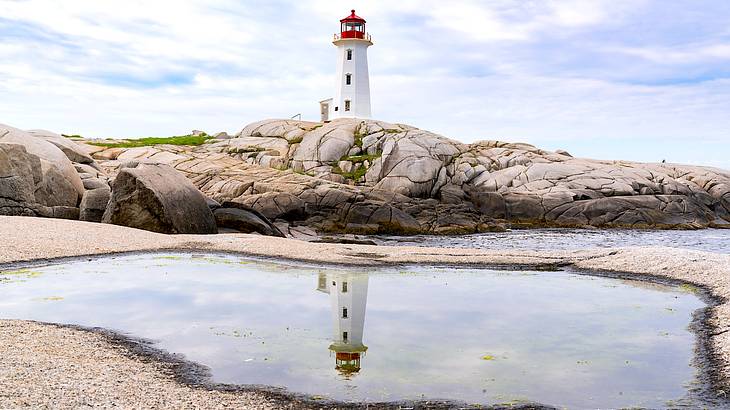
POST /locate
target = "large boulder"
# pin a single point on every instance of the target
(30, 187)
(63, 186)
(20, 173)
(157, 198)
(55, 188)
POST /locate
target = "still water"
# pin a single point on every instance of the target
(710, 240)
(473, 335)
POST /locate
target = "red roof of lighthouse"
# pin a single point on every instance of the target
(352, 17)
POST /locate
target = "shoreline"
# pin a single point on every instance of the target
(35, 241)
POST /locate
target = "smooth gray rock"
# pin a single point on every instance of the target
(95, 183)
(276, 205)
(451, 194)
(386, 218)
(245, 220)
(90, 169)
(65, 212)
(72, 150)
(55, 189)
(59, 173)
(212, 203)
(94, 203)
(29, 186)
(20, 173)
(635, 211)
(157, 198)
(491, 204)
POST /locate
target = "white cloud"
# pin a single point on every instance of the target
(469, 69)
(580, 13)
(679, 55)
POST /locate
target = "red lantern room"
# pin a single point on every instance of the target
(353, 27)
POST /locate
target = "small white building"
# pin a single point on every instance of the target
(348, 297)
(352, 94)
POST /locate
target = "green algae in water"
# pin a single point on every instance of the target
(26, 273)
(412, 333)
(686, 287)
(20, 275)
(171, 257)
(50, 299)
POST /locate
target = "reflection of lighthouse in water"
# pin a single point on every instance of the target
(348, 297)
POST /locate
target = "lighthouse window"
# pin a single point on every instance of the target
(347, 105)
(348, 79)
(344, 313)
(349, 54)
(344, 287)
(344, 337)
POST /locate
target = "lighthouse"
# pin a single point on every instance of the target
(348, 297)
(352, 93)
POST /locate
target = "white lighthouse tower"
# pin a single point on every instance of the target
(348, 298)
(352, 94)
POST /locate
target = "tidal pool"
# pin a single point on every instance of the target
(405, 333)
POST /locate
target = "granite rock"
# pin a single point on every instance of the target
(62, 185)
(355, 175)
(157, 198)
(73, 151)
(244, 219)
(94, 204)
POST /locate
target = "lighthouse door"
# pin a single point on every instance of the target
(324, 107)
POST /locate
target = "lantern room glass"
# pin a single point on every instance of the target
(353, 26)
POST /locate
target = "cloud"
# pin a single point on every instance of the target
(680, 55)
(546, 72)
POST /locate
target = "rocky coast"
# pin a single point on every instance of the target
(302, 179)
(291, 182)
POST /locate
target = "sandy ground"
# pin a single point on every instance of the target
(50, 366)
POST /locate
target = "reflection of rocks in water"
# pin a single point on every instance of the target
(348, 297)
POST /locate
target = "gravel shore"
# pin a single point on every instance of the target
(45, 365)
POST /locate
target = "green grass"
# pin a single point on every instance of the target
(358, 137)
(354, 175)
(149, 141)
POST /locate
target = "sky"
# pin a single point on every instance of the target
(644, 80)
